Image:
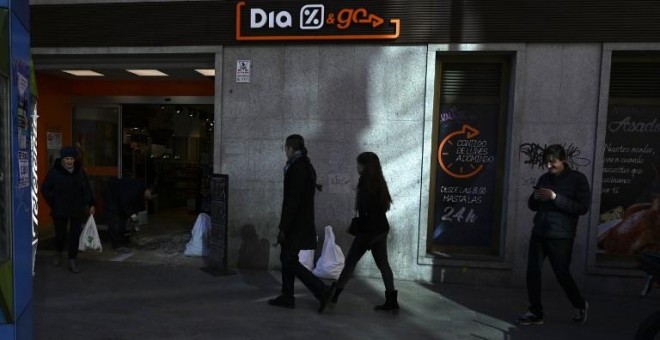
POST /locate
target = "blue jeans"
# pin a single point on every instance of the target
(559, 252)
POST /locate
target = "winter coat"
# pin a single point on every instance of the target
(372, 214)
(297, 219)
(68, 194)
(124, 197)
(558, 218)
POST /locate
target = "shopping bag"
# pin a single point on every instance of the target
(89, 238)
(306, 258)
(331, 262)
(198, 244)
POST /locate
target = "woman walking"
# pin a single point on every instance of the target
(372, 202)
(68, 194)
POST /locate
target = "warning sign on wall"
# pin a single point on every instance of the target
(242, 71)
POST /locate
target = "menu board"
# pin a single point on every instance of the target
(630, 195)
(219, 192)
(466, 175)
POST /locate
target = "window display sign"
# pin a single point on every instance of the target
(630, 195)
(466, 175)
(296, 21)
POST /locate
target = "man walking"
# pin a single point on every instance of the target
(296, 229)
(559, 197)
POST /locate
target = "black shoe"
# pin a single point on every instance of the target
(335, 296)
(530, 318)
(581, 313)
(391, 303)
(325, 297)
(283, 301)
(123, 250)
(72, 267)
(57, 260)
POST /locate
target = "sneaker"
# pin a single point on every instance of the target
(581, 313)
(530, 318)
(283, 301)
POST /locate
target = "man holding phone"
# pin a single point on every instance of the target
(559, 197)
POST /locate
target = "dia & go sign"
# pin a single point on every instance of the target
(295, 21)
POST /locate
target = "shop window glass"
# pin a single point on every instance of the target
(470, 109)
(629, 216)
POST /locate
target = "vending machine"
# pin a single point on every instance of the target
(17, 166)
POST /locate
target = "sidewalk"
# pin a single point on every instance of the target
(133, 300)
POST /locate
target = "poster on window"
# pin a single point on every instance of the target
(629, 218)
(466, 175)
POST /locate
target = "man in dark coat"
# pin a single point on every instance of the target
(124, 198)
(69, 196)
(559, 197)
(297, 230)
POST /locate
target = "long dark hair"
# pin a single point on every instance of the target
(372, 177)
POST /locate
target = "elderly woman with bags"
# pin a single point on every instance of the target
(370, 228)
(69, 196)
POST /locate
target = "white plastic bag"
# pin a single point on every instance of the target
(198, 244)
(306, 258)
(331, 262)
(89, 238)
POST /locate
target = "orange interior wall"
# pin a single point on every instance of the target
(55, 111)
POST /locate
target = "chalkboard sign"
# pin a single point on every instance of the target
(217, 258)
(466, 175)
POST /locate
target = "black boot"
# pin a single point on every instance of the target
(390, 301)
(337, 292)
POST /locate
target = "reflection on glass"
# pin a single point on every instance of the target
(95, 133)
(5, 177)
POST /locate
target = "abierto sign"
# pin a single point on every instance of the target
(298, 21)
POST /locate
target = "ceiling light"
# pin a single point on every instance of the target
(209, 72)
(83, 73)
(148, 73)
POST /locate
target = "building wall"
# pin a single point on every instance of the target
(348, 99)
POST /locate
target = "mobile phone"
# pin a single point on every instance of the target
(536, 187)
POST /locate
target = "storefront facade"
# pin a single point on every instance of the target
(457, 101)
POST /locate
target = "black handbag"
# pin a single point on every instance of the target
(356, 225)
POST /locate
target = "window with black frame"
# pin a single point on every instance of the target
(469, 137)
(629, 217)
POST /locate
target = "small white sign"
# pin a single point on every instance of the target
(243, 71)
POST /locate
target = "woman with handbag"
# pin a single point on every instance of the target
(370, 228)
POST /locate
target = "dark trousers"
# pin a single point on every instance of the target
(61, 238)
(117, 229)
(360, 245)
(559, 252)
(291, 268)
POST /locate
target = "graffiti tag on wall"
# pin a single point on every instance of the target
(533, 154)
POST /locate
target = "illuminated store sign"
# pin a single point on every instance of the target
(269, 21)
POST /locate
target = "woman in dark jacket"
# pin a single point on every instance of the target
(69, 196)
(372, 202)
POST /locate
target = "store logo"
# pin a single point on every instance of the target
(314, 22)
(311, 17)
(259, 18)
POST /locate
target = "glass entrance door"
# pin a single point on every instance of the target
(96, 133)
